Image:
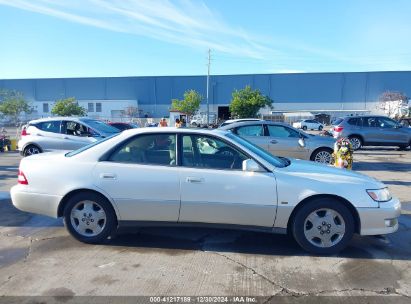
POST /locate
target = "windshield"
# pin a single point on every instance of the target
(75, 152)
(273, 160)
(100, 126)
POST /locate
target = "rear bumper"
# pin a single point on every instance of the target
(382, 220)
(39, 203)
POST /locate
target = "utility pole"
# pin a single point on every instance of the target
(208, 84)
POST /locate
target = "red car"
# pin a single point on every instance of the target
(122, 125)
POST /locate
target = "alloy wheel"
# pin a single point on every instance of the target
(323, 157)
(324, 228)
(31, 150)
(88, 218)
(356, 143)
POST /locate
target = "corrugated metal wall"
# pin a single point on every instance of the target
(308, 91)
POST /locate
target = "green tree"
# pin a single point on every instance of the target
(13, 103)
(190, 104)
(68, 107)
(247, 102)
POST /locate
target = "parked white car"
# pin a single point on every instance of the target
(61, 133)
(173, 176)
(308, 124)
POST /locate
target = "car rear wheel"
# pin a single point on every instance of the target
(30, 150)
(304, 128)
(320, 128)
(323, 226)
(89, 217)
(356, 142)
(323, 156)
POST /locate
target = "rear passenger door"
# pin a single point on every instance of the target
(142, 177)
(48, 135)
(370, 130)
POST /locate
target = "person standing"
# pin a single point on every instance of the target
(163, 123)
(178, 123)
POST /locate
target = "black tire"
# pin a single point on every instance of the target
(320, 128)
(31, 150)
(300, 224)
(110, 222)
(304, 128)
(320, 154)
(356, 142)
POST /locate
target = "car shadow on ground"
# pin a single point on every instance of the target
(182, 240)
(176, 240)
(381, 166)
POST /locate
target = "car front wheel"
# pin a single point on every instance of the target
(304, 128)
(323, 226)
(89, 217)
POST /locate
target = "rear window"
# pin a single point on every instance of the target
(337, 121)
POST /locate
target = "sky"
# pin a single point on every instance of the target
(110, 38)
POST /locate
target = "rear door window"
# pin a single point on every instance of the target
(49, 126)
(353, 121)
(149, 149)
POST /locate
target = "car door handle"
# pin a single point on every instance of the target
(194, 180)
(273, 141)
(108, 176)
(65, 137)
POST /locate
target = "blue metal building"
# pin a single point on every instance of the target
(107, 97)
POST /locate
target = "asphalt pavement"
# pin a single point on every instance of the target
(39, 258)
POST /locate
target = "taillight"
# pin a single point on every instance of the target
(338, 128)
(21, 179)
(24, 132)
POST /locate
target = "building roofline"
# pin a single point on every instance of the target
(224, 75)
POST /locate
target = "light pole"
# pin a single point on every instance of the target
(208, 84)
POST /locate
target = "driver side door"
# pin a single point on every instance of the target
(214, 189)
(75, 135)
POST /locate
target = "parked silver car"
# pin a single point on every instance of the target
(281, 139)
(61, 133)
(372, 130)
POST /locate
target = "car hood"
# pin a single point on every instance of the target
(324, 140)
(329, 174)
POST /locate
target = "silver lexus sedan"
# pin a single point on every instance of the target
(283, 140)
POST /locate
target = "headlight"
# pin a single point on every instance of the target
(379, 195)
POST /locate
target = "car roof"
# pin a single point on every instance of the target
(147, 130)
(62, 118)
(250, 123)
(360, 116)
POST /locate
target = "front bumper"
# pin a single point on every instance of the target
(39, 203)
(381, 220)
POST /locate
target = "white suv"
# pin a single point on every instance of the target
(61, 133)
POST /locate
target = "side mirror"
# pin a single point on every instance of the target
(301, 142)
(250, 165)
